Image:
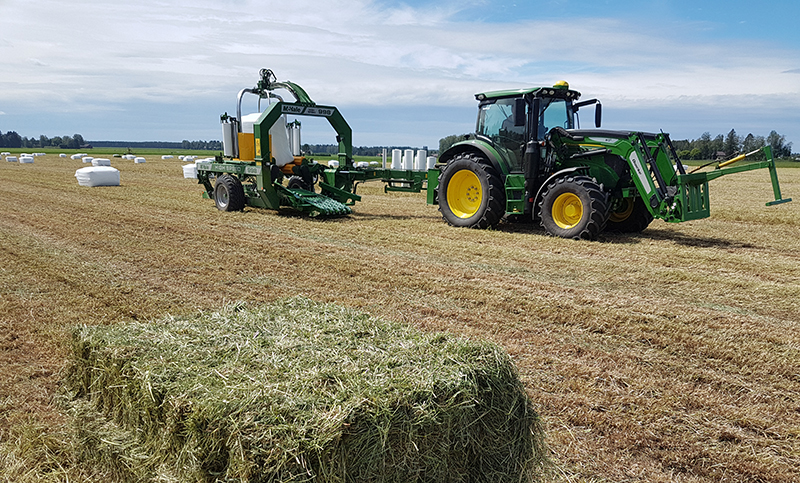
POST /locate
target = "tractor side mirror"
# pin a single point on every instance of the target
(519, 112)
(598, 114)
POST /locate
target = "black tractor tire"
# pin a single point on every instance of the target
(297, 182)
(628, 215)
(228, 193)
(574, 207)
(470, 192)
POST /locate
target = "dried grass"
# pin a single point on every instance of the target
(667, 356)
(299, 391)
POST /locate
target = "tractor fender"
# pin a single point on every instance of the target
(557, 174)
(475, 146)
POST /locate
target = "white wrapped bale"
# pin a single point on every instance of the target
(101, 162)
(26, 159)
(167, 156)
(62, 155)
(139, 160)
(11, 159)
(98, 176)
(87, 159)
(190, 171)
(76, 156)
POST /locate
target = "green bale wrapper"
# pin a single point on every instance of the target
(298, 391)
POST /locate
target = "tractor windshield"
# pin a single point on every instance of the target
(555, 112)
(496, 122)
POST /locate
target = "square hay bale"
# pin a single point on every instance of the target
(298, 391)
(98, 176)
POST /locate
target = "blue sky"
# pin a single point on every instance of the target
(402, 73)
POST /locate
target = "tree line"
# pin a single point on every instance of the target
(185, 144)
(12, 139)
(704, 147)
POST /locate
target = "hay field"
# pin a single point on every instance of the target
(673, 355)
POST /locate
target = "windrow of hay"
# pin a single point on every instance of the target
(298, 391)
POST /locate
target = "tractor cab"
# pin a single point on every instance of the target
(514, 121)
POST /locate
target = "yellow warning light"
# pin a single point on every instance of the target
(562, 84)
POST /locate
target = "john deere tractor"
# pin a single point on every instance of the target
(529, 160)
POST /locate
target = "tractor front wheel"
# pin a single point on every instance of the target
(628, 215)
(228, 193)
(573, 207)
(470, 192)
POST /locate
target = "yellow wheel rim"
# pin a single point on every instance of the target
(567, 210)
(464, 193)
(622, 212)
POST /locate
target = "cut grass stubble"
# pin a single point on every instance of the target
(665, 356)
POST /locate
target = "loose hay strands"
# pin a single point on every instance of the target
(299, 391)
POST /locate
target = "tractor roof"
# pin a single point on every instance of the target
(559, 87)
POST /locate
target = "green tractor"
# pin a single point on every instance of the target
(529, 160)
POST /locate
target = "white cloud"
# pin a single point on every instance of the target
(98, 54)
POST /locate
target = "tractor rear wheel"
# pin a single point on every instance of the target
(470, 192)
(573, 207)
(628, 215)
(228, 193)
(297, 182)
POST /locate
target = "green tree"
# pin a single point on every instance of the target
(780, 149)
(704, 145)
(12, 140)
(731, 145)
(717, 145)
(749, 143)
(448, 141)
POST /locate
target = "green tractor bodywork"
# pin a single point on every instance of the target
(528, 160)
(248, 174)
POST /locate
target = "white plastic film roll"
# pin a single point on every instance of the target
(397, 159)
(408, 159)
(419, 162)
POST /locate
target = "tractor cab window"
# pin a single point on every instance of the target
(496, 122)
(555, 112)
